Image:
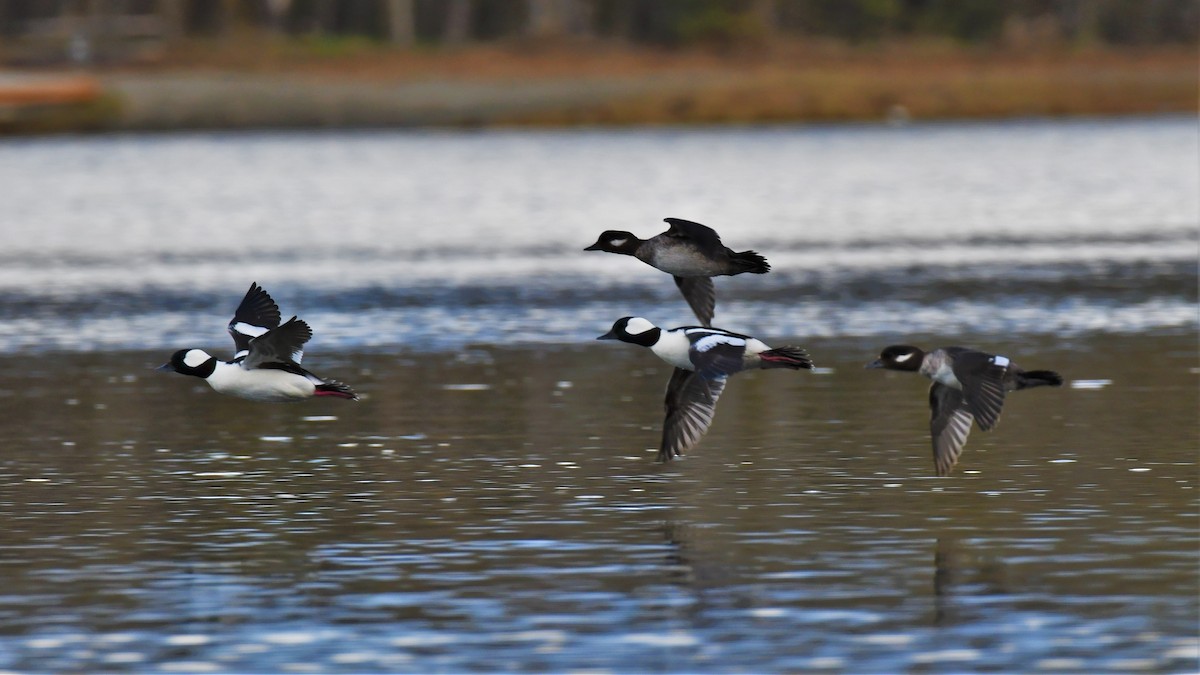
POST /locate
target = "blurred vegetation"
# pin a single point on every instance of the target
(553, 62)
(107, 30)
(896, 94)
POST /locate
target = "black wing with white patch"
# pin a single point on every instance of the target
(716, 353)
(982, 377)
(701, 296)
(705, 238)
(690, 404)
(256, 315)
(949, 424)
(282, 345)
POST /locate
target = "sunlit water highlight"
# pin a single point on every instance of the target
(435, 241)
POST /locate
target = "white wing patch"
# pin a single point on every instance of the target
(706, 343)
(249, 329)
(1001, 361)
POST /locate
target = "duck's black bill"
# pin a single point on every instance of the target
(874, 364)
(167, 367)
(608, 336)
(593, 247)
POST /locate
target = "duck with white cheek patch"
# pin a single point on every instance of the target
(703, 358)
(692, 253)
(968, 386)
(266, 366)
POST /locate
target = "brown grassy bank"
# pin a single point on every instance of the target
(923, 91)
(335, 83)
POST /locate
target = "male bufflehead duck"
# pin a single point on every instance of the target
(266, 366)
(967, 385)
(703, 357)
(692, 253)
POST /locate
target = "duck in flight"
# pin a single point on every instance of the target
(968, 386)
(266, 366)
(703, 358)
(692, 253)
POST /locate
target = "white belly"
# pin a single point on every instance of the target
(674, 348)
(260, 385)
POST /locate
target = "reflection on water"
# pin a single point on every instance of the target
(502, 511)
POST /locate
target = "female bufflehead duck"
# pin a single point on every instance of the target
(266, 366)
(967, 385)
(703, 357)
(692, 253)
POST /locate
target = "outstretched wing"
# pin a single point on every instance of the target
(716, 354)
(982, 378)
(256, 315)
(700, 296)
(949, 424)
(690, 404)
(279, 346)
(705, 237)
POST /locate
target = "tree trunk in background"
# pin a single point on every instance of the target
(325, 17)
(767, 15)
(581, 18)
(204, 18)
(458, 22)
(558, 18)
(1077, 19)
(546, 19)
(88, 37)
(624, 20)
(173, 14)
(274, 14)
(401, 28)
(227, 17)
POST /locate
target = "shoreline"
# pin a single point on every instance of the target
(565, 88)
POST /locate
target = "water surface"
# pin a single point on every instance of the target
(504, 512)
(492, 503)
(435, 240)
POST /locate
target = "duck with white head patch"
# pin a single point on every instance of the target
(703, 358)
(968, 386)
(692, 253)
(266, 366)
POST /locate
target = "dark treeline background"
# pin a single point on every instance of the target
(651, 22)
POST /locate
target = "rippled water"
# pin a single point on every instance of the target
(493, 504)
(430, 240)
(503, 512)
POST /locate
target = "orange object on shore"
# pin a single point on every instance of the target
(49, 90)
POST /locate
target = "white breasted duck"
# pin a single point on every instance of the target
(968, 385)
(703, 358)
(692, 253)
(266, 366)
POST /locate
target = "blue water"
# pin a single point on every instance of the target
(431, 240)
